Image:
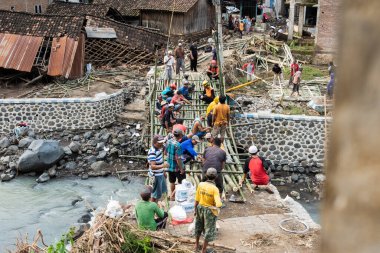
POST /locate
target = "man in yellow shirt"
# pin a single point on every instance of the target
(220, 118)
(210, 109)
(207, 204)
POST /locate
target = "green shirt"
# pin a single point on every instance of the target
(145, 211)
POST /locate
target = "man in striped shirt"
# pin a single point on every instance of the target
(157, 167)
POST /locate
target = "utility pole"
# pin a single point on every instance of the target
(219, 43)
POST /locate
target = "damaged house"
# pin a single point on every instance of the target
(184, 18)
(48, 45)
(60, 45)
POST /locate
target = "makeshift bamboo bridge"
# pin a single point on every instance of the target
(233, 170)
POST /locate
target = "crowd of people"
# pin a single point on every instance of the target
(169, 155)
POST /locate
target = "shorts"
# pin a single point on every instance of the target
(201, 134)
(174, 175)
(168, 74)
(219, 130)
(159, 187)
(205, 221)
(209, 120)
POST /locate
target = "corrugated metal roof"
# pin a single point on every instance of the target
(62, 56)
(18, 51)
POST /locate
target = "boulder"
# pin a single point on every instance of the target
(67, 150)
(88, 135)
(6, 177)
(99, 166)
(52, 172)
(25, 142)
(320, 178)
(43, 178)
(74, 146)
(102, 155)
(71, 166)
(40, 155)
(5, 160)
(76, 138)
(100, 146)
(4, 142)
(11, 150)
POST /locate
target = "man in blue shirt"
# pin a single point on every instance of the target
(185, 90)
(188, 149)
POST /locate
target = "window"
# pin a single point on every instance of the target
(13, 8)
(38, 8)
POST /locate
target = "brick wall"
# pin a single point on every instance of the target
(24, 5)
(135, 36)
(328, 26)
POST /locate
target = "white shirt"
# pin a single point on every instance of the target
(168, 61)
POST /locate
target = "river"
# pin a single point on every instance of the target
(26, 206)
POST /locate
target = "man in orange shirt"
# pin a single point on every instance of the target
(220, 118)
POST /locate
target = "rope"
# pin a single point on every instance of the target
(170, 27)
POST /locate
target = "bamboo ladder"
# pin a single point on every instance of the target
(233, 170)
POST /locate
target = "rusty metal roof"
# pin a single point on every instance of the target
(62, 56)
(40, 25)
(18, 51)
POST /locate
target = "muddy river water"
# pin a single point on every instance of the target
(53, 207)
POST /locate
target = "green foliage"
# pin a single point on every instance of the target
(60, 246)
(134, 244)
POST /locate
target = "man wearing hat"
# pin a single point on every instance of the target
(179, 54)
(209, 139)
(188, 151)
(157, 167)
(176, 169)
(168, 119)
(208, 93)
(169, 62)
(256, 166)
(207, 204)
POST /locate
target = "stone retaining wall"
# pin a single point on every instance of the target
(51, 114)
(292, 143)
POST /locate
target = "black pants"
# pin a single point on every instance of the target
(193, 64)
(161, 222)
(296, 88)
(209, 120)
(210, 76)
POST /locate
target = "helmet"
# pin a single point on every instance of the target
(252, 149)
(205, 83)
(173, 86)
(213, 62)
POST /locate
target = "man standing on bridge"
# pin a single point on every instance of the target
(220, 118)
(157, 167)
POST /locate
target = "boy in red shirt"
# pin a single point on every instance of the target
(257, 167)
(293, 69)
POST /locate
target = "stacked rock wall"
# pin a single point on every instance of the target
(292, 143)
(44, 115)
